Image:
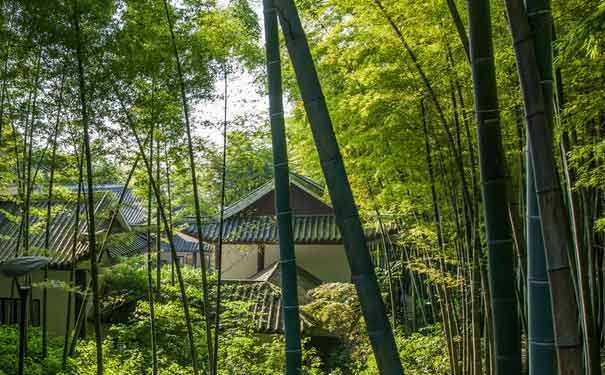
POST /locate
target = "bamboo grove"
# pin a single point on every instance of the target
(474, 128)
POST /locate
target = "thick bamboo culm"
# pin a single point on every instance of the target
(492, 163)
(283, 212)
(542, 357)
(535, 70)
(363, 276)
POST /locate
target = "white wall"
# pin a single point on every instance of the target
(238, 261)
(328, 262)
(57, 298)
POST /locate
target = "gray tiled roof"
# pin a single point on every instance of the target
(266, 304)
(183, 244)
(126, 244)
(132, 208)
(307, 229)
(62, 230)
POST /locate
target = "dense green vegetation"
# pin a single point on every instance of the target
(441, 109)
(126, 345)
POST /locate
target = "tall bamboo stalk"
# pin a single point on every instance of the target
(169, 202)
(386, 245)
(196, 198)
(492, 163)
(74, 246)
(49, 218)
(4, 83)
(473, 244)
(542, 357)
(591, 340)
(150, 292)
(27, 157)
(158, 228)
(92, 243)
(283, 212)
(362, 273)
(82, 313)
(219, 248)
(167, 229)
(555, 226)
(441, 290)
(451, 5)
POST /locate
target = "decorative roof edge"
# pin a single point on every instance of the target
(306, 184)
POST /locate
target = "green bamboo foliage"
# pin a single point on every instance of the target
(542, 356)
(363, 276)
(534, 63)
(282, 194)
(92, 243)
(492, 164)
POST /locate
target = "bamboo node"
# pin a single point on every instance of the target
(499, 242)
(539, 12)
(269, 10)
(527, 38)
(530, 116)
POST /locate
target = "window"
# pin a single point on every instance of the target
(10, 311)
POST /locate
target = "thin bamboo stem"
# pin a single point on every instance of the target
(92, 244)
(196, 198)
